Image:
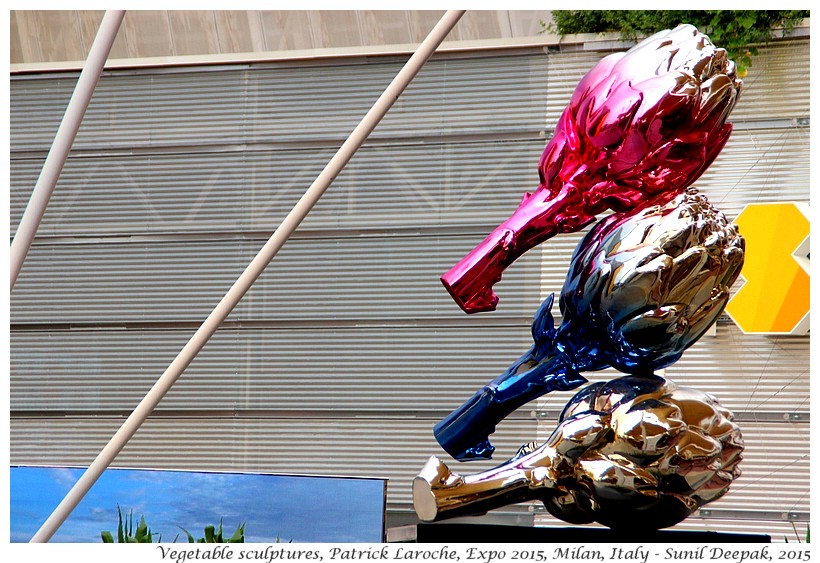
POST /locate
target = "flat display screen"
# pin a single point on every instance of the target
(274, 508)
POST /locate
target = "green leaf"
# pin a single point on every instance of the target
(143, 535)
(209, 534)
(734, 30)
(129, 524)
(746, 18)
(238, 535)
(120, 531)
(188, 535)
(107, 537)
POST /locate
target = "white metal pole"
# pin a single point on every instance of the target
(251, 273)
(55, 160)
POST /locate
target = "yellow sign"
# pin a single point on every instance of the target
(775, 296)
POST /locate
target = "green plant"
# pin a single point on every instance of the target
(737, 31)
(212, 535)
(797, 534)
(126, 533)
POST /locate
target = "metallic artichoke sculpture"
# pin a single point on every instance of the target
(636, 452)
(642, 287)
(647, 121)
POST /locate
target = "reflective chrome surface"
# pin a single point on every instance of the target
(636, 452)
(640, 123)
(642, 287)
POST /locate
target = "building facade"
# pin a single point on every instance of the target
(348, 350)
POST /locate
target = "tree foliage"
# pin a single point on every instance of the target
(740, 32)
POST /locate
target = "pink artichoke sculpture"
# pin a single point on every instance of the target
(640, 123)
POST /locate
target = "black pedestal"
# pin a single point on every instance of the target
(484, 533)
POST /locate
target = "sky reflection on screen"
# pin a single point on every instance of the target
(287, 507)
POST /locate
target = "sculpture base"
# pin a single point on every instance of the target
(485, 533)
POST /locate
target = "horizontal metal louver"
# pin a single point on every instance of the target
(389, 369)
(347, 350)
(759, 166)
(772, 76)
(411, 186)
(323, 279)
(283, 103)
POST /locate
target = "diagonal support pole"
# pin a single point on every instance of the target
(60, 147)
(251, 273)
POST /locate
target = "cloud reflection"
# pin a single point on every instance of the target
(292, 508)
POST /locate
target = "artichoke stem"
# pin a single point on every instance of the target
(537, 219)
(464, 433)
(440, 494)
